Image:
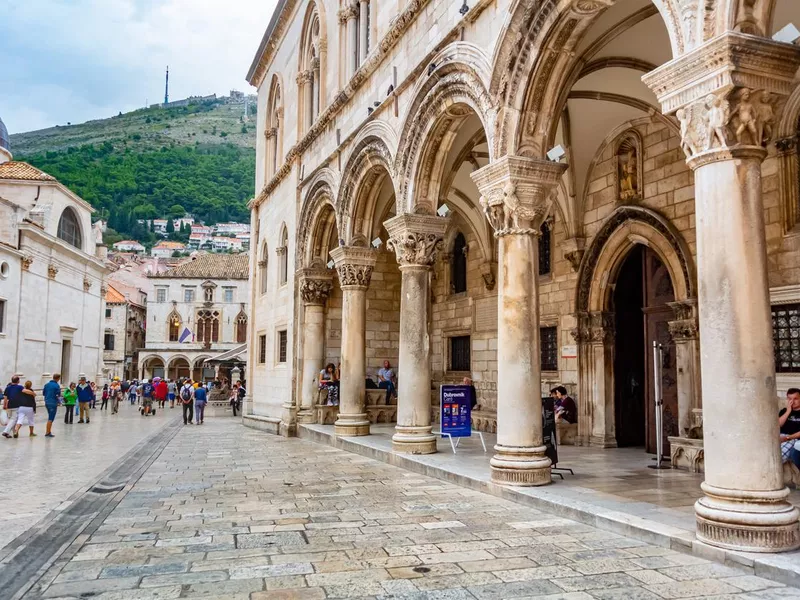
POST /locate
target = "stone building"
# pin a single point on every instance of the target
(530, 193)
(208, 295)
(124, 330)
(52, 277)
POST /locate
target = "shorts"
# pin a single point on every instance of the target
(171, 397)
(25, 416)
(51, 411)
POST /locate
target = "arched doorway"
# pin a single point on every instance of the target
(641, 305)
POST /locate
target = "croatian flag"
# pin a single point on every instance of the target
(186, 336)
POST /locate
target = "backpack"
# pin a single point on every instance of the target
(186, 393)
(241, 393)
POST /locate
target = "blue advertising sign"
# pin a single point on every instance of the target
(455, 403)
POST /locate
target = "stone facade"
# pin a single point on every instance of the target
(124, 330)
(670, 218)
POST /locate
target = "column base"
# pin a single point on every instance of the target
(603, 441)
(413, 440)
(749, 521)
(306, 416)
(520, 466)
(351, 425)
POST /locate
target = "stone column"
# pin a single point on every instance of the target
(354, 265)
(727, 115)
(684, 332)
(271, 134)
(308, 97)
(351, 15)
(415, 238)
(516, 197)
(315, 89)
(315, 287)
(363, 26)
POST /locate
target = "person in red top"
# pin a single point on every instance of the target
(161, 392)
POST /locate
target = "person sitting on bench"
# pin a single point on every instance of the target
(386, 380)
(566, 411)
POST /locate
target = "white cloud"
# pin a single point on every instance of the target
(74, 60)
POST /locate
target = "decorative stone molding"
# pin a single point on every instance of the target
(271, 132)
(602, 327)
(52, 271)
(516, 193)
(103, 291)
(26, 261)
(354, 265)
(304, 77)
(685, 326)
(582, 333)
(687, 454)
(488, 270)
(416, 238)
(315, 286)
(87, 285)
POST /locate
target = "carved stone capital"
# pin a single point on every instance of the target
(103, 291)
(52, 271)
(354, 265)
(685, 327)
(27, 261)
(281, 250)
(488, 272)
(516, 193)
(348, 12)
(574, 249)
(416, 238)
(87, 285)
(603, 327)
(315, 286)
(271, 132)
(582, 333)
(315, 63)
(727, 93)
(304, 77)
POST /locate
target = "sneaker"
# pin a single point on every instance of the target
(81, 421)
(32, 435)
(47, 435)
(87, 421)
(6, 435)
(16, 435)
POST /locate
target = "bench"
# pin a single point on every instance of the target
(378, 411)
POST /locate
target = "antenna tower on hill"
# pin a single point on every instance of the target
(166, 88)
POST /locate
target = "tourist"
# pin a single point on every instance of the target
(147, 396)
(187, 397)
(27, 409)
(386, 380)
(200, 400)
(566, 411)
(84, 391)
(70, 398)
(789, 422)
(124, 387)
(11, 402)
(241, 392)
(160, 392)
(93, 385)
(473, 394)
(52, 396)
(330, 382)
(172, 391)
(133, 391)
(104, 398)
(115, 392)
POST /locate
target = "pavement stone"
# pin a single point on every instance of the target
(231, 513)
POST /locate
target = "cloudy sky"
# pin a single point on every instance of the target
(75, 60)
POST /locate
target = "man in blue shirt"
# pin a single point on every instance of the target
(85, 396)
(200, 399)
(11, 404)
(52, 396)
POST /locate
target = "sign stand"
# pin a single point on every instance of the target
(658, 363)
(455, 414)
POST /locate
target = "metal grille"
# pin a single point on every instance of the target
(549, 348)
(459, 265)
(282, 346)
(786, 337)
(544, 249)
(262, 349)
(460, 353)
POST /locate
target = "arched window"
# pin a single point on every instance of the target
(69, 228)
(241, 328)
(208, 326)
(545, 234)
(364, 24)
(309, 78)
(262, 269)
(283, 255)
(274, 128)
(458, 265)
(174, 326)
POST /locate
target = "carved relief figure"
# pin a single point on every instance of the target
(628, 168)
(747, 117)
(718, 116)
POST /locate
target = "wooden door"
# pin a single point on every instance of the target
(657, 292)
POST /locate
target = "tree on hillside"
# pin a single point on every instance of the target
(176, 211)
(170, 226)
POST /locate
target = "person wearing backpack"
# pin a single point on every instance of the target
(187, 399)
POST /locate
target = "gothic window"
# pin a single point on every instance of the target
(460, 359)
(545, 240)
(69, 228)
(364, 23)
(548, 338)
(262, 269)
(786, 337)
(174, 326)
(283, 254)
(241, 328)
(458, 265)
(208, 326)
(274, 128)
(309, 79)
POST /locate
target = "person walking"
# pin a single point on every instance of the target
(132, 392)
(93, 385)
(84, 392)
(104, 403)
(27, 409)
(240, 394)
(11, 402)
(115, 393)
(172, 391)
(187, 397)
(161, 391)
(70, 398)
(52, 398)
(200, 401)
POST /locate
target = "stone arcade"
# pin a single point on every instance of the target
(672, 218)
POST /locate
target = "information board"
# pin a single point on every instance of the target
(549, 429)
(455, 408)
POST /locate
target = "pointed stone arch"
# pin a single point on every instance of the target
(319, 210)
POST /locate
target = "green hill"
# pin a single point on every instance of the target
(153, 163)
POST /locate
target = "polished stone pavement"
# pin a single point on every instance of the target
(40, 474)
(232, 513)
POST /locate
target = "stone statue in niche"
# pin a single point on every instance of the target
(628, 169)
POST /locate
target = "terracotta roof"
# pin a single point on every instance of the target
(114, 295)
(170, 245)
(15, 169)
(211, 266)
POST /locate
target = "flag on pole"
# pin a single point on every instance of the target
(186, 336)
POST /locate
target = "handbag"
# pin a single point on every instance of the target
(3, 417)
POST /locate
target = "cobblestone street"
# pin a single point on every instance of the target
(231, 513)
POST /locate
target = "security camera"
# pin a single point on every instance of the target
(443, 210)
(331, 264)
(377, 243)
(556, 154)
(787, 35)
